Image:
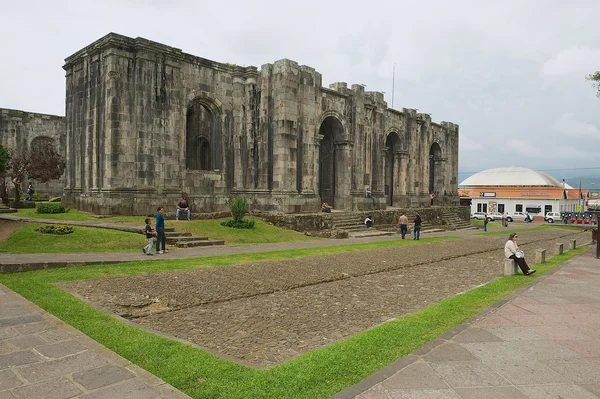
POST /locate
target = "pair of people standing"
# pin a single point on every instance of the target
(403, 225)
(161, 238)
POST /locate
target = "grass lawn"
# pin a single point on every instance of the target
(318, 374)
(262, 233)
(26, 240)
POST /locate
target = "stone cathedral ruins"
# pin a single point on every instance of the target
(147, 124)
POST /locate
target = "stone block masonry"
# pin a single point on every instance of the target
(147, 124)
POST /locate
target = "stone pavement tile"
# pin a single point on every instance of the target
(558, 308)
(7, 395)
(168, 392)
(556, 392)
(515, 334)
(61, 349)
(491, 393)
(55, 335)
(593, 388)
(33, 328)
(416, 376)
(7, 332)
(523, 301)
(526, 350)
(59, 388)
(468, 374)
(523, 372)
(560, 332)
(541, 320)
(130, 389)
(19, 358)
(449, 352)
(495, 321)
(588, 348)
(18, 321)
(582, 299)
(102, 377)
(512, 310)
(7, 347)
(9, 380)
(14, 311)
(474, 334)
(580, 371)
(376, 392)
(423, 394)
(56, 368)
(26, 341)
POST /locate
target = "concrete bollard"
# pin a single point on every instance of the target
(558, 248)
(540, 255)
(510, 267)
(572, 244)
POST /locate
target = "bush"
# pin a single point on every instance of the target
(51, 207)
(241, 224)
(239, 207)
(58, 230)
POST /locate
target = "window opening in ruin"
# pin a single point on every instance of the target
(200, 134)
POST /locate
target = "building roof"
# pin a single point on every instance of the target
(512, 176)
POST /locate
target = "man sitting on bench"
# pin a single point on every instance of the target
(183, 207)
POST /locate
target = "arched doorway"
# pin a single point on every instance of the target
(332, 131)
(435, 155)
(392, 144)
(202, 136)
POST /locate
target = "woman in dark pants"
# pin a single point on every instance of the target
(510, 251)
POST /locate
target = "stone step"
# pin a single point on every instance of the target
(199, 243)
(174, 240)
(173, 234)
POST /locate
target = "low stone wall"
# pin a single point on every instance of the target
(325, 221)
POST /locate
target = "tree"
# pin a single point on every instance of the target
(4, 165)
(43, 164)
(595, 79)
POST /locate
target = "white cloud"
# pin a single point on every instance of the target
(466, 144)
(525, 148)
(571, 127)
(571, 64)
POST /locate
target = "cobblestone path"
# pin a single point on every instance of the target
(266, 313)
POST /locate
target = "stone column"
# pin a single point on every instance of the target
(343, 174)
(314, 183)
(403, 172)
(396, 177)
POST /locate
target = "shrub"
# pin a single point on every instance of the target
(239, 207)
(241, 224)
(58, 230)
(51, 207)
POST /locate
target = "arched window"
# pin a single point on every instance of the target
(40, 144)
(202, 138)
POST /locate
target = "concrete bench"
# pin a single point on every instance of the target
(540, 255)
(558, 248)
(510, 267)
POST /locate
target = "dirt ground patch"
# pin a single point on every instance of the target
(7, 227)
(266, 313)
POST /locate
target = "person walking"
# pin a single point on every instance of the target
(403, 224)
(161, 239)
(417, 228)
(512, 251)
(150, 233)
(30, 192)
(486, 220)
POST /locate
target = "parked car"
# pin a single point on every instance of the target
(551, 217)
(478, 215)
(518, 216)
(495, 216)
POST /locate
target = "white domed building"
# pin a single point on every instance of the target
(518, 190)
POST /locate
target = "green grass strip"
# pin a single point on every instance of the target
(318, 374)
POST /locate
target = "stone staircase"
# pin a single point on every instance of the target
(5, 209)
(454, 222)
(187, 240)
(353, 223)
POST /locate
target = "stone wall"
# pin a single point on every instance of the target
(147, 124)
(18, 129)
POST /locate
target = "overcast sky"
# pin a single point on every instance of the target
(511, 73)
